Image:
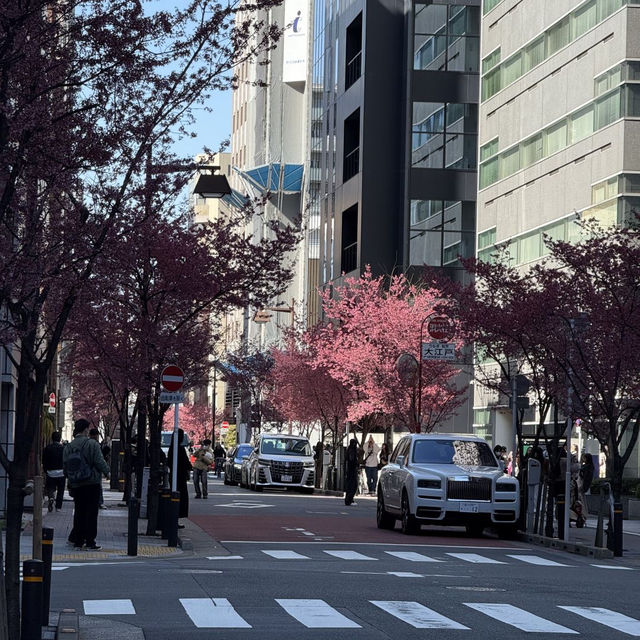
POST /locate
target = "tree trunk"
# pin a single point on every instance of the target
(15, 505)
(155, 475)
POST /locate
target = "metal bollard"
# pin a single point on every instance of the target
(599, 541)
(32, 600)
(163, 512)
(47, 557)
(132, 529)
(172, 525)
(617, 529)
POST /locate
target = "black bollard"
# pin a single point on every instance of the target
(617, 529)
(32, 599)
(47, 557)
(132, 528)
(560, 506)
(172, 526)
(163, 512)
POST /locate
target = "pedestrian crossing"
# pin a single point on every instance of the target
(314, 613)
(349, 555)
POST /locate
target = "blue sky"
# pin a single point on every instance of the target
(211, 127)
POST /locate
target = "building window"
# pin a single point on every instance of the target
(349, 253)
(351, 160)
(353, 51)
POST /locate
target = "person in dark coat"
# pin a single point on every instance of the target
(351, 467)
(182, 477)
(53, 466)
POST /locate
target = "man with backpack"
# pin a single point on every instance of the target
(83, 467)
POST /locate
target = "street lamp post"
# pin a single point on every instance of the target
(419, 416)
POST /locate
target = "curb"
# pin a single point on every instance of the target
(68, 625)
(570, 547)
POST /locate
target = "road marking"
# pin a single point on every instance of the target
(475, 558)
(108, 607)
(316, 614)
(395, 573)
(412, 556)
(225, 558)
(608, 618)
(285, 555)
(610, 566)
(245, 505)
(404, 574)
(404, 545)
(537, 560)
(518, 618)
(417, 615)
(210, 613)
(348, 555)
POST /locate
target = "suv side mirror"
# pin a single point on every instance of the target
(400, 461)
(502, 465)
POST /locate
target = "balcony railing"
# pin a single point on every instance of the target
(353, 70)
(351, 164)
(349, 259)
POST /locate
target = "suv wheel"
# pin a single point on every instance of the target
(384, 519)
(410, 525)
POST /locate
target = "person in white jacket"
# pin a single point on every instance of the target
(371, 451)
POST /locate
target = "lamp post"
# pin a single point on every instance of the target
(262, 316)
(419, 416)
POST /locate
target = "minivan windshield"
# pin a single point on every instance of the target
(285, 446)
(167, 436)
(462, 452)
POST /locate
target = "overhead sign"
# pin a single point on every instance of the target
(437, 350)
(294, 62)
(172, 378)
(441, 328)
(171, 397)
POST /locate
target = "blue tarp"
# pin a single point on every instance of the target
(235, 199)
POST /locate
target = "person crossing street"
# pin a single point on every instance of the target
(203, 459)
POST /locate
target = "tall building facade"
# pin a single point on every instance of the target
(559, 123)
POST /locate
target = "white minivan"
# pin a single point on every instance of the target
(281, 460)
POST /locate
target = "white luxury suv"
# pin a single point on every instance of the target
(280, 460)
(446, 479)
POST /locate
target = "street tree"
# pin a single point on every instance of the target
(371, 322)
(90, 90)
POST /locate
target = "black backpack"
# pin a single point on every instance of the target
(76, 467)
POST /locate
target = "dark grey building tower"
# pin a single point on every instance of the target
(394, 133)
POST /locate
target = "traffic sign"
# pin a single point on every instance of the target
(224, 425)
(52, 403)
(172, 378)
(437, 350)
(441, 328)
(171, 398)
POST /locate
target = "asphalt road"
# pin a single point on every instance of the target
(308, 567)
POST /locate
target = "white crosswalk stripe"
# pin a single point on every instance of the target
(285, 554)
(316, 614)
(213, 613)
(537, 560)
(475, 558)
(608, 618)
(412, 556)
(108, 607)
(417, 615)
(349, 555)
(519, 618)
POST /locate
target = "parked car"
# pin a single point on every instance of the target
(280, 460)
(446, 479)
(233, 462)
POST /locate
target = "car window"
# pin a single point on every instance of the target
(285, 446)
(399, 450)
(243, 451)
(460, 452)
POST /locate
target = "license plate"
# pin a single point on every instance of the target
(468, 507)
(285, 478)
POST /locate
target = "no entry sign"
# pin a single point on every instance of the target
(172, 378)
(441, 328)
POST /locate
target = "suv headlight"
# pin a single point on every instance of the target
(506, 486)
(429, 484)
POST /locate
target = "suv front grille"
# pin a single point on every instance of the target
(472, 489)
(293, 469)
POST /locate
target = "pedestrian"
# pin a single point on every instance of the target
(371, 452)
(384, 455)
(54, 468)
(585, 478)
(182, 475)
(84, 466)
(318, 459)
(202, 461)
(351, 468)
(94, 434)
(219, 454)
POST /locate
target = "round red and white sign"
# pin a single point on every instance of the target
(441, 328)
(172, 378)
